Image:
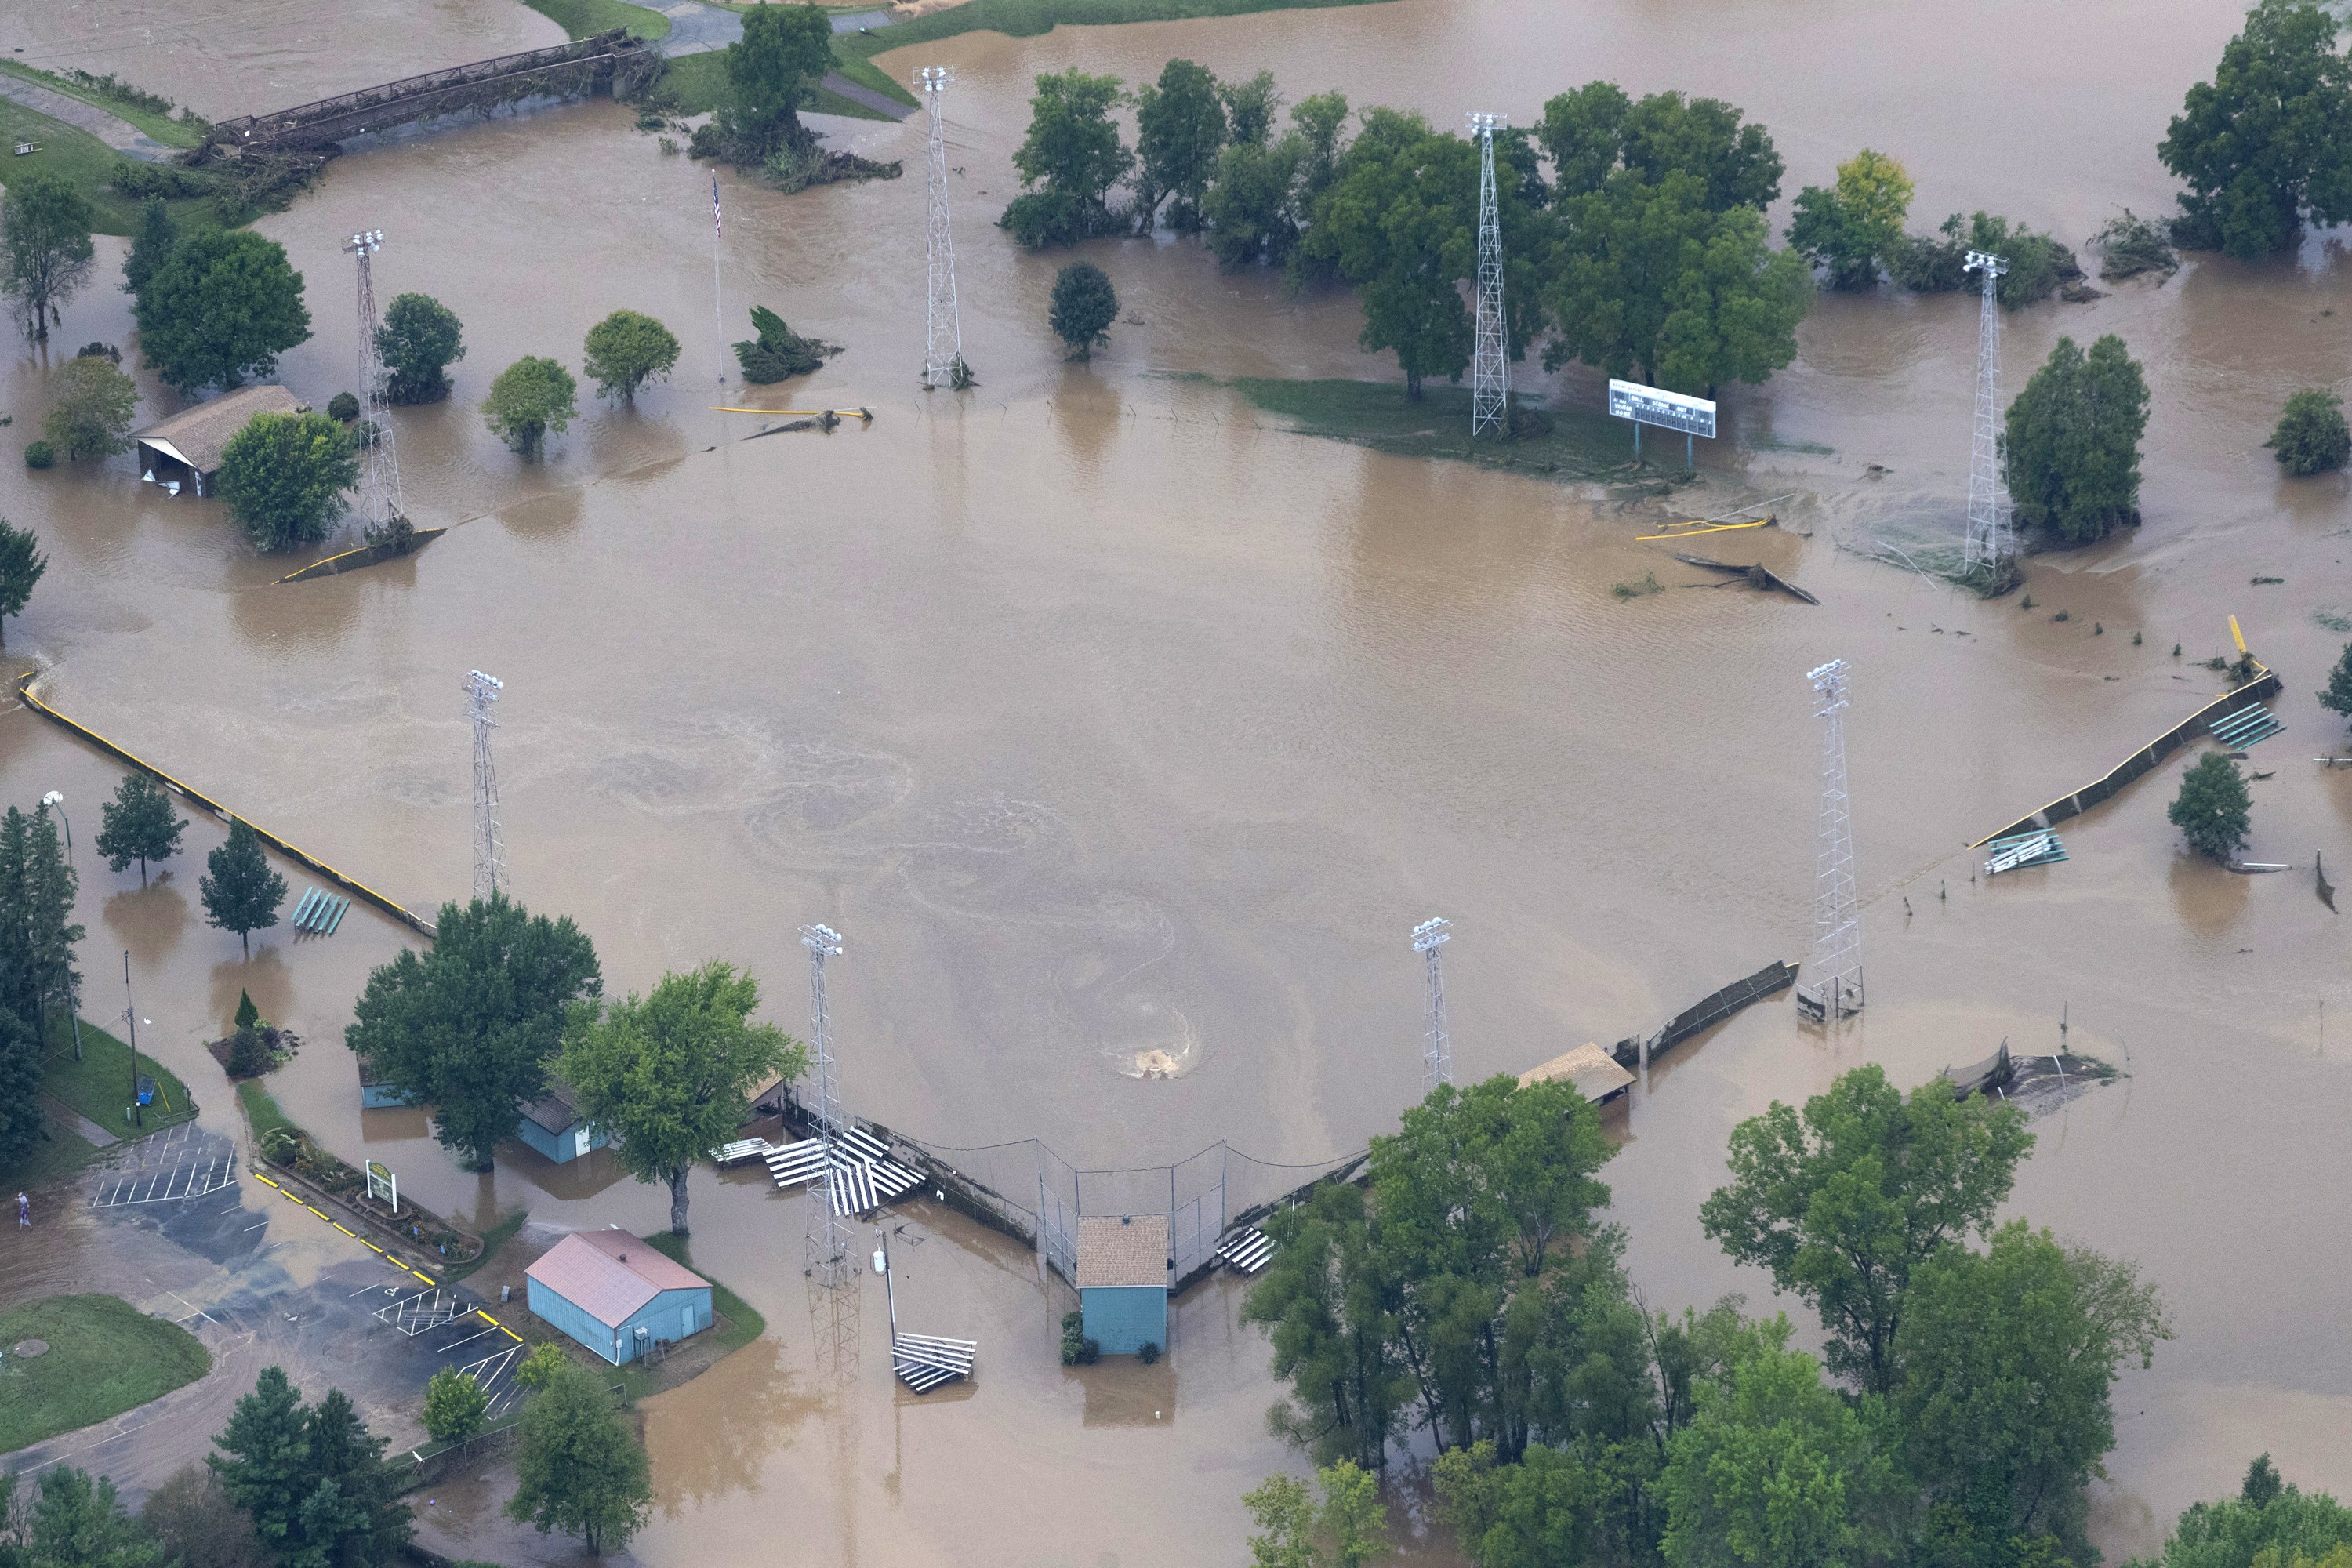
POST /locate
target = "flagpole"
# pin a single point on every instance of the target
(717, 305)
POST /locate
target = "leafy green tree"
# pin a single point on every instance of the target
(21, 565)
(1251, 209)
(2213, 810)
(2073, 442)
(150, 244)
(580, 1467)
(1084, 307)
(1775, 1470)
(542, 1364)
(1250, 107)
(1937, 264)
(1284, 1511)
(1849, 228)
(140, 824)
(22, 1062)
(2338, 697)
(1353, 1516)
(469, 1025)
(456, 1409)
(2004, 1362)
(1069, 162)
(1349, 1527)
(672, 1074)
(45, 249)
(1326, 1301)
(264, 1460)
(354, 1515)
(1842, 1202)
(1322, 120)
(2312, 438)
(530, 398)
(241, 893)
(193, 1520)
(284, 477)
(1542, 1511)
(1596, 131)
(1652, 280)
(625, 350)
(2269, 138)
(784, 52)
(92, 414)
(79, 1522)
(419, 339)
(2269, 1522)
(1180, 124)
(223, 305)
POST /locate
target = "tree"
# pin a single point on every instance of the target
(140, 824)
(23, 1059)
(542, 1364)
(2268, 1521)
(284, 477)
(1596, 131)
(420, 339)
(354, 1515)
(2312, 438)
(1850, 228)
(2338, 697)
(150, 244)
(1353, 1515)
(531, 397)
(92, 414)
(21, 565)
(580, 1468)
(1774, 1471)
(671, 1074)
(45, 249)
(193, 1520)
(1250, 107)
(1284, 1512)
(1842, 1202)
(1351, 1520)
(1180, 124)
(469, 1025)
(241, 893)
(1085, 305)
(2073, 442)
(224, 305)
(778, 352)
(1930, 265)
(1251, 209)
(2213, 810)
(37, 933)
(784, 52)
(1069, 162)
(2269, 138)
(456, 1409)
(625, 350)
(1653, 280)
(2004, 1362)
(1326, 1301)
(263, 1463)
(79, 1522)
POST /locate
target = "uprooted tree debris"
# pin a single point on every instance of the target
(1758, 576)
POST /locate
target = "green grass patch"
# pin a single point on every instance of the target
(1027, 18)
(260, 1110)
(699, 84)
(60, 1155)
(498, 1236)
(859, 69)
(586, 18)
(105, 1357)
(159, 125)
(99, 1086)
(85, 163)
(741, 1324)
(1573, 444)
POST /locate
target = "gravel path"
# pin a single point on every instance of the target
(119, 134)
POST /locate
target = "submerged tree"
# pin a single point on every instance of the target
(223, 305)
(420, 339)
(778, 352)
(150, 244)
(2072, 440)
(579, 1467)
(1850, 228)
(284, 477)
(1180, 124)
(1069, 162)
(1085, 305)
(2213, 810)
(2268, 138)
(93, 414)
(241, 893)
(771, 71)
(2338, 697)
(140, 824)
(21, 565)
(2311, 436)
(531, 397)
(627, 349)
(45, 249)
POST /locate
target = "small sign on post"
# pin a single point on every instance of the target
(382, 1183)
(1656, 406)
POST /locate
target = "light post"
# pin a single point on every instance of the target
(889, 1290)
(58, 799)
(130, 1017)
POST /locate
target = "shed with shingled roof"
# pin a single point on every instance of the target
(1123, 1268)
(615, 1294)
(186, 448)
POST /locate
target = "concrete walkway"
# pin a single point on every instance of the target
(67, 1116)
(119, 134)
(697, 29)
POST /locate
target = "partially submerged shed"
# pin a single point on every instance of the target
(616, 1295)
(553, 1125)
(186, 448)
(1596, 1074)
(1123, 1268)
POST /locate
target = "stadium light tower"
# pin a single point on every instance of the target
(943, 327)
(381, 505)
(1437, 1057)
(1490, 359)
(1989, 547)
(489, 847)
(829, 1260)
(1836, 962)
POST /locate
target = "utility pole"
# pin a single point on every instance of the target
(1836, 962)
(942, 326)
(1490, 359)
(490, 848)
(1989, 547)
(1437, 1057)
(382, 506)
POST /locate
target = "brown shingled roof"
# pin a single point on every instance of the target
(609, 1274)
(200, 435)
(1596, 1073)
(1122, 1250)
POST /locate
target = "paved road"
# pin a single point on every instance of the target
(695, 29)
(119, 134)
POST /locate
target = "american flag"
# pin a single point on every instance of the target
(718, 228)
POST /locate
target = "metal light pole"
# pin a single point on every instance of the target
(889, 1290)
(58, 799)
(130, 1017)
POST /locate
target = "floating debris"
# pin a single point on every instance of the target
(1759, 577)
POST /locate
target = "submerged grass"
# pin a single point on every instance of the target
(260, 1110)
(1571, 443)
(586, 18)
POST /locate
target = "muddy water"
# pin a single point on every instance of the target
(1106, 720)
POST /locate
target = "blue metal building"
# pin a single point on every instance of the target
(1123, 1268)
(616, 1295)
(553, 1125)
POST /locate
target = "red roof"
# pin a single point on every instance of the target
(609, 1274)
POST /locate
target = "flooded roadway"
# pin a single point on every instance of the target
(1105, 720)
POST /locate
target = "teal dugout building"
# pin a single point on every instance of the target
(1123, 1267)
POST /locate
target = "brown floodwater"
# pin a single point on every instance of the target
(1105, 719)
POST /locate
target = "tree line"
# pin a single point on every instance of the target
(1472, 1295)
